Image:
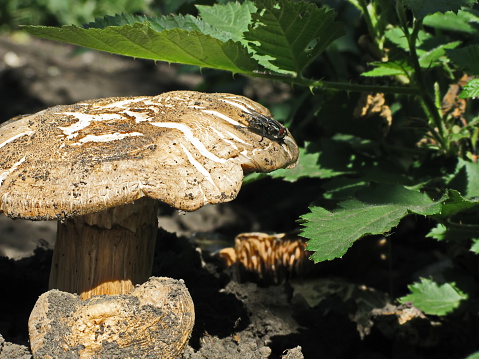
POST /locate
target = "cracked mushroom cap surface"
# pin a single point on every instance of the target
(184, 148)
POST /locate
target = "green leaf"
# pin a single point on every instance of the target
(467, 58)
(161, 23)
(287, 35)
(387, 69)
(457, 232)
(232, 18)
(84, 10)
(475, 245)
(473, 356)
(342, 188)
(430, 58)
(397, 37)
(466, 178)
(309, 165)
(421, 8)
(439, 232)
(433, 298)
(375, 210)
(463, 21)
(141, 40)
(471, 89)
(453, 203)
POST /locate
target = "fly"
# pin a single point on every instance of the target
(266, 126)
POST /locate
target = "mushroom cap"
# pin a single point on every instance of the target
(184, 148)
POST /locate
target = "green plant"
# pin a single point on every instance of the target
(411, 151)
(14, 12)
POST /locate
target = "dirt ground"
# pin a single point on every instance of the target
(335, 310)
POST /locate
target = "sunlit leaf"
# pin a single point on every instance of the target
(375, 210)
(141, 40)
(287, 35)
(387, 69)
(421, 8)
(433, 298)
(471, 89)
(232, 18)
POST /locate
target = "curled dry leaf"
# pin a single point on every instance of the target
(370, 105)
(407, 323)
(267, 258)
(451, 104)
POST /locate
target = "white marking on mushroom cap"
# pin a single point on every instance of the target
(236, 138)
(223, 137)
(124, 103)
(224, 117)
(84, 121)
(5, 173)
(239, 99)
(241, 107)
(286, 148)
(11, 139)
(139, 116)
(106, 138)
(198, 165)
(245, 154)
(191, 138)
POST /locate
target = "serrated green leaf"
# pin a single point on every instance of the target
(287, 35)
(161, 23)
(142, 41)
(433, 298)
(466, 178)
(375, 210)
(428, 55)
(397, 37)
(342, 188)
(456, 232)
(330, 234)
(475, 245)
(467, 58)
(463, 21)
(471, 89)
(430, 59)
(422, 8)
(399, 196)
(84, 10)
(439, 232)
(387, 69)
(453, 203)
(473, 356)
(115, 20)
(232, 18)
(308, 166)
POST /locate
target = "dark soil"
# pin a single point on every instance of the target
(337, 310)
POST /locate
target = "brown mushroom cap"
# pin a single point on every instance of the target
(184, 148)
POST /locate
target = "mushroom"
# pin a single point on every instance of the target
(98, 167)
(266, 258)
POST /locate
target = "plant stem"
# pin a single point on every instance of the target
(369, 23)
(427, 101)
(338, 86)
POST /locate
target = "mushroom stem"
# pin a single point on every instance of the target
(107, 252)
